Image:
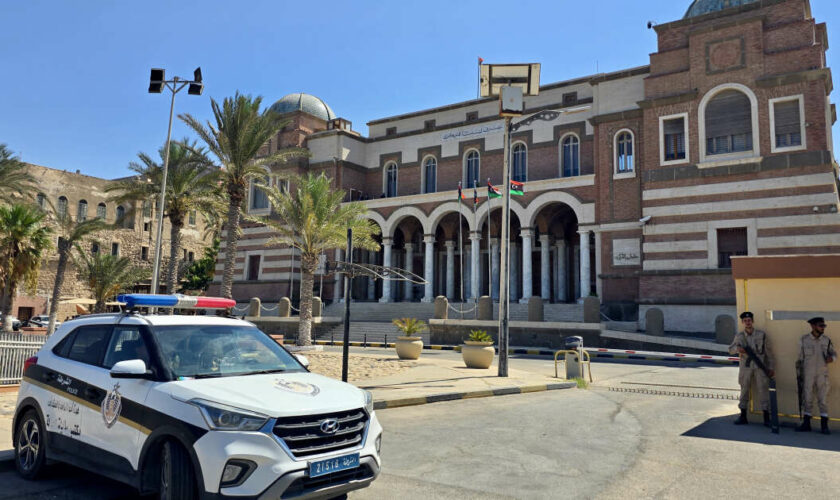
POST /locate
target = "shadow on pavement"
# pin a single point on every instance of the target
(723, 428)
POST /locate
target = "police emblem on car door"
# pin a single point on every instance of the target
(111, 406)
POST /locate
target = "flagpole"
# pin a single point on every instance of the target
(475, 293)
(489, 251)
(461, 247)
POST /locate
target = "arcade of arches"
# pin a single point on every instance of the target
(551, 255)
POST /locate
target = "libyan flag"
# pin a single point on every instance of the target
(517, 188)
(492, 192)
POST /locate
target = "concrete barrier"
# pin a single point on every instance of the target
(317, 307)
(485, 308)
(655, 322)
(591, 310)
(254, 307)
(441, 307)
(536, 309)
(725, 329)
(284, 307)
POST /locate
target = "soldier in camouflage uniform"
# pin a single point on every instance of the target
(816, 352)
(748, 372)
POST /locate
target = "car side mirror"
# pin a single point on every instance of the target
(303, 360)
(130, 368)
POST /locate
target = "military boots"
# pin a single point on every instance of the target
(742, 420)
(824, 425)
(806, 425)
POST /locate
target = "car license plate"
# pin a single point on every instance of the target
(322, 467)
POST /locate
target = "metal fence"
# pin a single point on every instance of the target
(15, 348)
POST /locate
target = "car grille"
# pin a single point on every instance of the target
(306, 485)
(303, 435)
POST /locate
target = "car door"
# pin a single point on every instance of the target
(119, 426)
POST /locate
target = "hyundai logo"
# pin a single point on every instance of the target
(329, 426)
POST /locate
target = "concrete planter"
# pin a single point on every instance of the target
(409, 347)
(477, 354)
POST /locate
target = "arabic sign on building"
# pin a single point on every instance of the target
(472, 132)
(627, 252)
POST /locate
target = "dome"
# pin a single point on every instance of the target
(306, 103)
(700, 7)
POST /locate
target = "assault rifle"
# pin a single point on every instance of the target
(800, 382)
(774, 404)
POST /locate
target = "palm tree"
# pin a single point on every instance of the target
(236, 138)
(107, 275)
(24, 239)
(14, 179)
(313, 219)
(70, 233)
(191, 184)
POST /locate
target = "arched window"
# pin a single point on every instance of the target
(120, 215)
(570, 156)
(472, 169)
(430, 174)
(390, 180)
(624, 160)
(42, 200)
(520, 163)
(728, 119)
(62, 206)
(101, 211)
(259, 200)
(81, 216)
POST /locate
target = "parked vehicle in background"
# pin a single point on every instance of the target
(16, 324)
(41, 321)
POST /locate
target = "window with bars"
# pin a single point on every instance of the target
(193, 216)
(472, 168)
(259, 200)
(115, 249)
(429, 125)
(121, 215)
(101, 211)
(728, 123)
(147, 209)
(430, 174)
(673, 138)
(42, 200)
(472, 116)
(624, 153)
(81, 216)
(520, 163)
(62, 206)
(391, 180)
(788, 123)
(570, 156)
(730, 242)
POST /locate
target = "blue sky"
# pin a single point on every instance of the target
(73, 90)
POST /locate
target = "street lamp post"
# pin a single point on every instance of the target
(157, 81)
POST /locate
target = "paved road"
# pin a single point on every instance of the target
(593, 443)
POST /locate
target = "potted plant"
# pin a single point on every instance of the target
(410, 344)
(477, 350)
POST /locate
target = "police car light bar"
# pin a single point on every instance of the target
(177, 301)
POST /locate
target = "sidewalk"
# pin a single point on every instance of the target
(436, 377)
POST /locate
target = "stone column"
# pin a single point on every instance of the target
(475, 265)
(450, 269)
(560, 274)
(494, 268)
(467, 272)
(545, 268)
(428, 269)
(338, 293)
(514, 272)
(585, 270)
(386, 261)
(409, 266)
(598, 284)
(527, 235)
(371, 284)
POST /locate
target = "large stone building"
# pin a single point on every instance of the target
(83, 197)
(638, 188)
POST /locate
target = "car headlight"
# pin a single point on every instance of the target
(221, 417)
(368, 401)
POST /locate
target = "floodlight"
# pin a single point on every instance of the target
(496, 76)
(195, 89)
(156, 81)
(197, 75)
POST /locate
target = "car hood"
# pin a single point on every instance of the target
(275, 395)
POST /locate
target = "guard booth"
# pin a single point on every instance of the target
(784, 292)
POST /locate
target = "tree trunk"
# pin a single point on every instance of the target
(99, 307)
(231, 243)
(308, 264)
(174, 251)
(63, 252)
(8, 297)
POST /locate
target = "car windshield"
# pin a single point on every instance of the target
(203, 351)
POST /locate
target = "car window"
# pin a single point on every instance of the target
(63, 348)
(126, 343)
(201, 350)
(89, 344)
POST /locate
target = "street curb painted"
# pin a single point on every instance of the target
(484, 393)
(593, 352)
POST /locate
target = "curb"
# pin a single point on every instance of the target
(593, 352)
(7, 460)
(484, 393)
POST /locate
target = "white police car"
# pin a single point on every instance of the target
(192, 406)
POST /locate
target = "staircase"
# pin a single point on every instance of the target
(374, 312)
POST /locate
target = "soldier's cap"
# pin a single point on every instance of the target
(746, 314)
(816, 321)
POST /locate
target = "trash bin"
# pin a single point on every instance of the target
(574, 365)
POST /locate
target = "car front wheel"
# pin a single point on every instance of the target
(177, 480)
(30, 446)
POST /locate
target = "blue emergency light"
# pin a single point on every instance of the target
(176, 301)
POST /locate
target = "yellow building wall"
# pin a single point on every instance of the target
(802, 298)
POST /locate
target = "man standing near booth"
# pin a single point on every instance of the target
(749, 371)
(816, 351)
